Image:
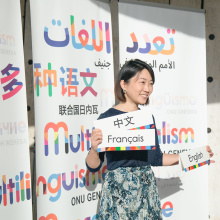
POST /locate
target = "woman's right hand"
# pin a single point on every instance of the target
(96, 138)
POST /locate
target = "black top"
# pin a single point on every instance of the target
(133, 158)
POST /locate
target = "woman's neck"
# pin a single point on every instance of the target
(126, 107)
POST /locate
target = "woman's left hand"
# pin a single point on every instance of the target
(210, 153)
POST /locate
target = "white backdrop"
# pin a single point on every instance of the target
(73, 79)
(172, 41)
(15, 184)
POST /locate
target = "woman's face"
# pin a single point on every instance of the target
(139, 87)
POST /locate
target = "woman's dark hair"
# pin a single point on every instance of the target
(129, 70)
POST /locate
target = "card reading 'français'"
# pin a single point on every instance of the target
(123, 140)
(128, 131)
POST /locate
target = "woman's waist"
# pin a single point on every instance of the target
(128, 164)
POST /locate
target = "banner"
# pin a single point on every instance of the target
(73, 85)
(172, 41)
(15, 181)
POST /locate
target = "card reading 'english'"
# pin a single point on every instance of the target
(194, 158)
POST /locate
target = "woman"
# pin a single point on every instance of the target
(129, 190)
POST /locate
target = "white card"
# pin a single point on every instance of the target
(194, 158)
(116, 140)
(126, 121)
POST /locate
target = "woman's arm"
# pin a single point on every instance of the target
(92, 159)
(173, 159)
(170, 159)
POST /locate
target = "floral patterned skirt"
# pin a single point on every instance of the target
(130, 193)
